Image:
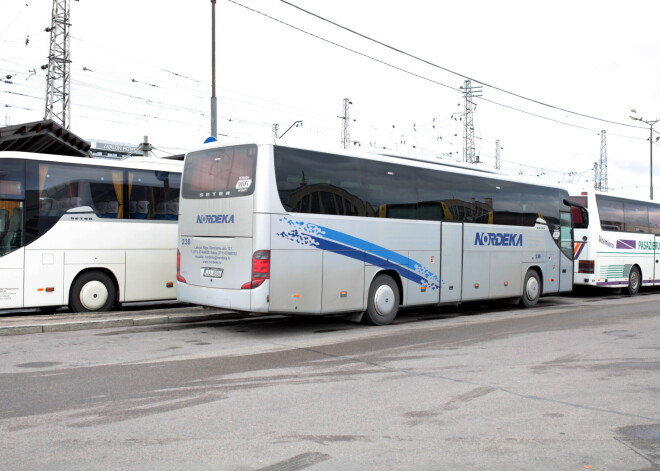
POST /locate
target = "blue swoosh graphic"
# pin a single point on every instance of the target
(324, 238)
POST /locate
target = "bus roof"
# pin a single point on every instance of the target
(451, 166)
(131, 162)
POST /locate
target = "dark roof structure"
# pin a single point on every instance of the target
(45, 136)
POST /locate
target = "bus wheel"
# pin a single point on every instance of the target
(531, 289)
(383, 302)
(634, 281)
(92, 291)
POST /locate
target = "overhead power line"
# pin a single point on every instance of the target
(432, 64)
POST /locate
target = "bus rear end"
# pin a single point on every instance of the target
(217, 264)
(584, 248)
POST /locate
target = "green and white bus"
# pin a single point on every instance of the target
(619, 247)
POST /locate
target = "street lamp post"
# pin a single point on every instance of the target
(214, 100)
(650, 123)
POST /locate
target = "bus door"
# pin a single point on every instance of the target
(11, 254)
(566, 258)
(451, 262)
(12, 208)
(656, 260)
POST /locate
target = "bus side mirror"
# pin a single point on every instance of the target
(585, 217)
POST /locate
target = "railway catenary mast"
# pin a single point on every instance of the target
(58, 84)
(469, 92)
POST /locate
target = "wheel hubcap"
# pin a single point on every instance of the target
(634, 280)
(93, 295)
(532, 288)
(384, 300)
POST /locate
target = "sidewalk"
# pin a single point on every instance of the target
(37, 323)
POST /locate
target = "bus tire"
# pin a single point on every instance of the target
(531, 289)
(93, 291)
(383, 302)
(634, 281)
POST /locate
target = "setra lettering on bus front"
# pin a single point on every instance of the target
(215, 219)
(498, 239)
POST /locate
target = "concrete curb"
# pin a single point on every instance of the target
(50, 324)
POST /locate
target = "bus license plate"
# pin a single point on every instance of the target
(212, 272)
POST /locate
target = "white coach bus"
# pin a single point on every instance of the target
(86, 233)
(619, 247)
(273, 229)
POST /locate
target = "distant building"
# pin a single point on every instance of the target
(114, 150)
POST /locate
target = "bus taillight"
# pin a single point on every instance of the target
(586, 266)
(260, 269)
(178, 268)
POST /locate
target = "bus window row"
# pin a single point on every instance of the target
(622, 215)
(142, 209)
(318, 183)
(110, 192)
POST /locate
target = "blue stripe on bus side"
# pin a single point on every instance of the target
(334, 247)
(311, 234)
(366, 246)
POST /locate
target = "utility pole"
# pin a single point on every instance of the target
(145, 147)
(276, 130)
(469, 92)
(497, 154)
(601, 183)
(214, 100)
(651, 124)
(58, 83)
(346, 126)
(596, 176)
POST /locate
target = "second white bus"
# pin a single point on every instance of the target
(274, 229)
(619, 247)
(86, 233)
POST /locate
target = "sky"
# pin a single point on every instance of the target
(554, 75)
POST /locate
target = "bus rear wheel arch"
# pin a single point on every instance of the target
(92, 291)
(634, 281)
(383, 301)
(531, 289)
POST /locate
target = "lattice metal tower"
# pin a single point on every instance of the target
(469, 92)
(596, 178)
(346, 126)
(59, 64)
(497, 154)
(601, 183)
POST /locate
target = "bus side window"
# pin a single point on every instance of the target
(654, 219)
(611, 214)
(153, 195)
(636, 217)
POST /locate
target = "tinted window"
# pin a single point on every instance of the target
(611, 214)
(12, 179)
(11, 225)
(313, 182)
(391, 190)
(541, 202)
(654, 219)
(636, 217)
(444, 196)
(220, 172)
(153, 194)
